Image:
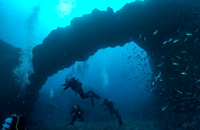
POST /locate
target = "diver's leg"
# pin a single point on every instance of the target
(93, 94)
(110, 111)
(83, 95)
(119, 117)
(73, 120)
(86, 95)
(81, 118)
(120, 121)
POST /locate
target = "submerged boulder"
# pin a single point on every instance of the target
(9, 88)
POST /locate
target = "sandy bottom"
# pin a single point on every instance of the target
(99, 126)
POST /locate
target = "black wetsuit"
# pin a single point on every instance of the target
(17, 123)
(76, 86)
(76, 112)
(110, 105)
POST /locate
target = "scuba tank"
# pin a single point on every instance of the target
(7, 123)
(15, 122)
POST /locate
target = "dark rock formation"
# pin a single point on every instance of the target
(149, 25)
(9, 89)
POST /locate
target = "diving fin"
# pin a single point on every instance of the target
(120, 121)
(95, 95)
(92, 101)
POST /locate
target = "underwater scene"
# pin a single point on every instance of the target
(100, 64)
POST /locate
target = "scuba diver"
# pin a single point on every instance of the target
(109, 104)
(76, 112)
(76, 86)
(15, 122)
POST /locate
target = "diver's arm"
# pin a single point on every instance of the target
(63, 84)
(111, 103)
(103, 102)
(66, 86)
(81, 112)
(72, 111)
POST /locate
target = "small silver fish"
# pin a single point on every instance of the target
(178, 57)
(198, 81)
(170, 40)
(140, 36)
(183, 51)
(181, 104)
(162, 57)
(152, 89)
(198, 86)
(145, 38)
(198, 99)
(196, 39)
(175, 63)
(165, 42)
(159, 74)
(197, 107)
(155, 32)
(164, 108)
(179, 91)
(160, 64)
(185, 39)
(188, 34)
(184, 73)
(176, 40)
(196, 67)
(178, 30)
(196, 30)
